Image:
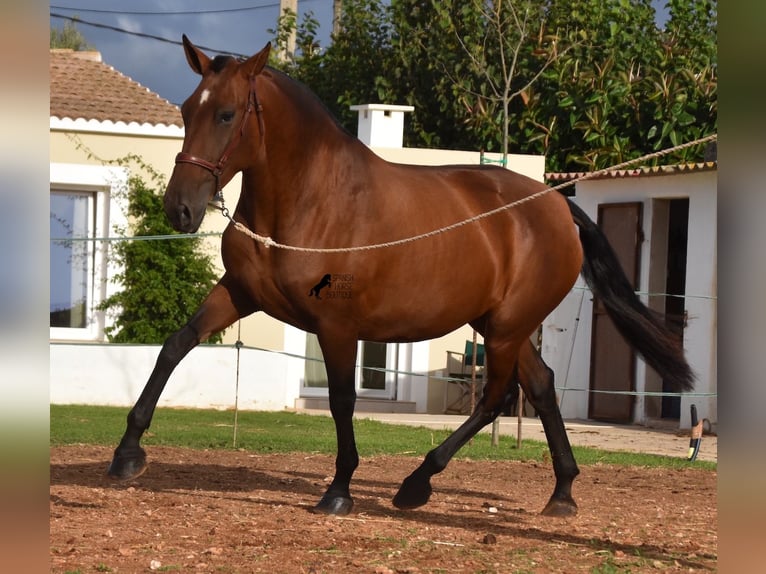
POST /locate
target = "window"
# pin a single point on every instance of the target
(71, 259)
(81, 211)
(375, 376)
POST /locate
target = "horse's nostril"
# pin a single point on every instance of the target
(182, 217)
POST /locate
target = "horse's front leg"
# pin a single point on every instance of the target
(340, 361)
(219, 310)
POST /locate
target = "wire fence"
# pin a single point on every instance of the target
(89, 279)
(562, 387)
(434, 375)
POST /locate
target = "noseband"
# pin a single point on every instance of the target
(217, 168)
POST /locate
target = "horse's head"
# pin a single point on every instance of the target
(223, 129)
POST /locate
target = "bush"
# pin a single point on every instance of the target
(163, 280)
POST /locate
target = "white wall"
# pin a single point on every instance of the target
(530, 165)
(567, 331)
(115, 375)
(101, 374)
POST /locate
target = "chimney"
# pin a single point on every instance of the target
(381, 125)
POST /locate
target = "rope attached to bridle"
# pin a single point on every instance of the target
(269, 242)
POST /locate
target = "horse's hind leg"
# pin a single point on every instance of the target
(339, 351)
(501, 360)
(218, 311)
(536, 380)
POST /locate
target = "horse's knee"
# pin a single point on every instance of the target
(177, 345)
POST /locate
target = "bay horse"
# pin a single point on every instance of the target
(307, 182)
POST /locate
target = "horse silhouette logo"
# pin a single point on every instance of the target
(325, 282)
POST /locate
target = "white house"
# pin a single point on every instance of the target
(97, 115)
(662, 222)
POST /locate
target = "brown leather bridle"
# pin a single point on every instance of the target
(217, 168)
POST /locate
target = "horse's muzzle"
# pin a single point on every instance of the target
(183, 217)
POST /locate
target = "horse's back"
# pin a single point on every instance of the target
(526, 254)
(498, 202)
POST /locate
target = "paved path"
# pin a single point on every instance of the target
(632, 438)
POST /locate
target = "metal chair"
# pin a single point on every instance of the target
(460, 372)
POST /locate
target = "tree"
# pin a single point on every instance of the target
(163, 281)
(692, 32)
(295, 61)
(444, 116)
(577, 115)
(587, 83)
(69, 37)
(508, 49)
(682, 98)
(626, 89)
(352, 69)
(358, 60)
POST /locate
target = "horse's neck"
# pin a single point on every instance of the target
(302, 109)
(305, 151)
(305, 136)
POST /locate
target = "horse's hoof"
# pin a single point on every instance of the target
(127, 467)
(560, 508)
(413, 493)
(334, 505)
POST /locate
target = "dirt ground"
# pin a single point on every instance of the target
(222, 511)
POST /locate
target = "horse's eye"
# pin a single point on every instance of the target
(225, 117)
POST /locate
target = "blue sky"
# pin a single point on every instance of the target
(161, 66)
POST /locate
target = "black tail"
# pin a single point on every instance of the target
(647, 333)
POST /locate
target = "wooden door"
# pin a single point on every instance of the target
(612, 359)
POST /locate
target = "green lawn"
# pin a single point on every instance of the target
(267, 432)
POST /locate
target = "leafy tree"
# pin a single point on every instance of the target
(691, 33)
(306, 45)
(625, 90)
(358, 60)
(69, 37)
(507, 49)
(163, 281)
(446, 115)
(682, 102)
(353, 68)
(587, 83)
(577, 114)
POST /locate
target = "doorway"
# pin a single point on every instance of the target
(675, 288)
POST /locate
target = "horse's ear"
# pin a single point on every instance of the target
(255, 64)
(197, 59)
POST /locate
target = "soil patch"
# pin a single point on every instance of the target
(224, 511)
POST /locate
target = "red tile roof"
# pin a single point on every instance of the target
(621, 173)
(82, 86)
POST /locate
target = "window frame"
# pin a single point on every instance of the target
(104, 184)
